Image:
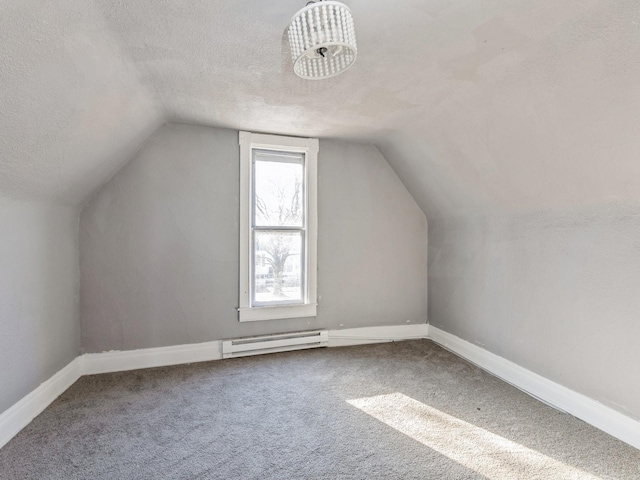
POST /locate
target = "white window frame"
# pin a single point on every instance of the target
(309, 147)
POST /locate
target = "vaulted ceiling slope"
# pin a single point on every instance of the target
(72, 104)
(480, 106)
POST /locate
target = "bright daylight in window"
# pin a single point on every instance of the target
(278, 227)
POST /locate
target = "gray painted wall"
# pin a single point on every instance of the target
(39, 320)
(159, 245)
(556, 293)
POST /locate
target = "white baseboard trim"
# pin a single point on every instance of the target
(366, 335)
(123, 360)
(21, 413)
(600, 416)
(120, 361)
(594, 413)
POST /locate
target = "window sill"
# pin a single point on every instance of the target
(248, 314)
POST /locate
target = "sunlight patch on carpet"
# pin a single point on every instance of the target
(484, 452)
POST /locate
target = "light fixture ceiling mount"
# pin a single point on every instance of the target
(322, 38)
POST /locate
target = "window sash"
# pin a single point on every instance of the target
(278, 157)
(303, 269)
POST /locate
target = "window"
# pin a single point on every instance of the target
(278, 227)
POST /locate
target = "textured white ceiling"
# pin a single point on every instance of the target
(72, 107)
(479, 106)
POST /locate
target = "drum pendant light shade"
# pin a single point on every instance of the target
(323, 40)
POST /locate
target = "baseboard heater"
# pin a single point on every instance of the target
(242, 347)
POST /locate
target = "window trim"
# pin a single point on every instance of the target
(309, 147)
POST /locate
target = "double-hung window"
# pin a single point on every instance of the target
(278, 227)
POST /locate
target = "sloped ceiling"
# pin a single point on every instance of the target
(72, 105)
(480, 106)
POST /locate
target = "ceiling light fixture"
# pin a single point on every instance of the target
(322, 39)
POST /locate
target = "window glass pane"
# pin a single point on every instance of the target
(278, 267)
(279, 195)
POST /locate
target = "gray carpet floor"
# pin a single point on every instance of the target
(405, 410)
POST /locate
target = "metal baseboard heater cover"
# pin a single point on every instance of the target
(242, 347)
